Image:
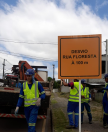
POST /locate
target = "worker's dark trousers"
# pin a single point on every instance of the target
(87, 106)
(31, 117)
(105, 108)
(73, 107)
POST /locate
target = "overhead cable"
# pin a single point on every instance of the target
(27, 42)
(26, 56)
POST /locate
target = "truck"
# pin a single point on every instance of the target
(9, 91)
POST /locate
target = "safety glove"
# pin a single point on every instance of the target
(90, 99)
(38, 102)
(16, 111)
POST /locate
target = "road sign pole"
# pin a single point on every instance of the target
(79, 105)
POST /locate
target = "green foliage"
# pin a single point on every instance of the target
(59, 120)
(53, 101)
(59, 81)
(56, 84)
(49, 79)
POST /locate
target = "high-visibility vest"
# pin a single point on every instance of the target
(74, 93)
(30, 95)
(85, 93)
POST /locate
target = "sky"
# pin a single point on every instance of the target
(29, 29)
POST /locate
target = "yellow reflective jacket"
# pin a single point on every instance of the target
(74, 93)
(85, 93)
(30, 95)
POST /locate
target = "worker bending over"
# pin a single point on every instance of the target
(29, 93)
(86, 98)
(73, 103)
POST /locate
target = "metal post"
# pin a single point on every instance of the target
(3, 67)
(53, 71)
(79, 105)
(106, 53)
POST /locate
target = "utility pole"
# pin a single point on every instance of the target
(53, 70)
(3, 67)
(106, 53)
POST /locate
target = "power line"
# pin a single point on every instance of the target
(25, 56)
(16, 41)
(27, 42)
(1, 58)
(9, 62)
(6, 60)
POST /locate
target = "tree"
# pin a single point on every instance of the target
(49, 79)
(56, 84)
(59, 81)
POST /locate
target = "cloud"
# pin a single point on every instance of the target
(43, 21)
(56, 70)
(56, 73)
(99, 6)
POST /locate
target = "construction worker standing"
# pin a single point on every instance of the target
(86, 98)
(105, 103)
(73, 103)
(29, 93)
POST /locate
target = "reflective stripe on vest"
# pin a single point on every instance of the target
(42, 92)
(30, 99)
(85, 93)
(105, 87)
(30, 95)
(33, 103)
(74, 93)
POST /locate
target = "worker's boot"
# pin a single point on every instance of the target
(104, 121)
(75, 127)
(69, 127)
(106, 126)
(90, 122)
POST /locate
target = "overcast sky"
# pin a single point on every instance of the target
(42, 21)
